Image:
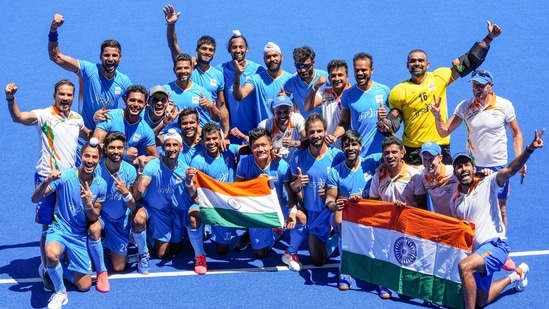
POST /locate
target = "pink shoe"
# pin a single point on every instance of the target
(509, 264)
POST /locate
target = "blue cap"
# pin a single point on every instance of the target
(282, 101)
(460, 155)
(432, 148)
(482, 76)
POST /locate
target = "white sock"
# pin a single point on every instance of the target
(514, 276)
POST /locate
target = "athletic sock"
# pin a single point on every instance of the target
(96, 254)
(297, 235)
(140, 239)
(339, 243)
(514, 276)
(67, 273)
(56, 276)
(332, 243)
(196, 239)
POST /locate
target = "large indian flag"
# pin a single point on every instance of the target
(252, 203)
(408, 250)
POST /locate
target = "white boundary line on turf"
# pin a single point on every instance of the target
(184, 273)
(231, 271)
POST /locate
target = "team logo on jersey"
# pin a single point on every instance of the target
(195, 99)
(117, 90)
(213, 82)
(379, 99)
(405, 250)
(432, 86)
(136, 137)
(367, 176)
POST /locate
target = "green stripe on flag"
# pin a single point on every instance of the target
(232, 218)
(403, 281)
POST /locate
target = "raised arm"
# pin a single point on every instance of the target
(312, 100)
(472, 59)
(26, 118)
(240, 93)
(444, 128)
(66, 62)
(516, 165)
(171, 19)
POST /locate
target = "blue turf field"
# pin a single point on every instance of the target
(337, 29)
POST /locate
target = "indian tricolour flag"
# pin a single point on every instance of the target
(408, 250)
(252, 203)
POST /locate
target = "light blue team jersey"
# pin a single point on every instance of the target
(188, 152)
(279, 171)
(299, 90)
(99, 91)
(190, 98)
(220, 168)
(138, 135)
(362, 106)
(166, 187)
(317, 170)
(242, 114)
(265, 90)
(212, 80)
(114, 208)
(349, 182)
(70, 213)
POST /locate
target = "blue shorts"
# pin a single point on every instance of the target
(76, 247)
(319, 223)
(46, 207)
(503, 192)
(163, 225)
(261, 238)
(223, 235)
(117, 234)
(494, 252)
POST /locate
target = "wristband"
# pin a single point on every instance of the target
(128, 197)
(529, 151)
(86, 208)
(293, 210)
(10, 100)
(52, 37)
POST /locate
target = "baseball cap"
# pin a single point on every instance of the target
(282, 100)
(158, 89)
(482, 76)
(432, 148)
(460, 155)
(172, 133)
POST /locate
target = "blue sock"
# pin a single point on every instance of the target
(96, 254)
(141, 241)
(297, 235)
(68, 274)
(195, 237)
(339, 243)
(56, 275)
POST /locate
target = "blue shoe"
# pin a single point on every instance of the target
(143, 264)
(345, 282)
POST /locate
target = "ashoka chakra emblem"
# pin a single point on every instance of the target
(405, 251)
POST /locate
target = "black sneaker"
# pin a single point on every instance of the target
(48, 285)
(243, 243)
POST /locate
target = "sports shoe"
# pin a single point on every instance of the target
(345, 282)
(58, 300)
(143, 264)
(292, 260)
(521, 283)
(200, 266)
(509, 264)
(243, 243)
(102, 282)
(384, 293)
(48, 285)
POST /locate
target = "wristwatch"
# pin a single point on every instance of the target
(295, 144)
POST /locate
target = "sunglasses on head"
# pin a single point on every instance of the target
(482, 73)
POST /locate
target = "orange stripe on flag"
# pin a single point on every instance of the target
(255, 187)
(411, 221)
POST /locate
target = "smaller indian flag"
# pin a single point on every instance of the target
(252, 203)
(409, 250)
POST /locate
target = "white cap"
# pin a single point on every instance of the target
(272, 46)
(172, 133)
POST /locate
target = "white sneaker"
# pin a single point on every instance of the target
(58, 300)
(521, 284)
(292, 260)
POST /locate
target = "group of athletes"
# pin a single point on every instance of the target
(108, 176)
